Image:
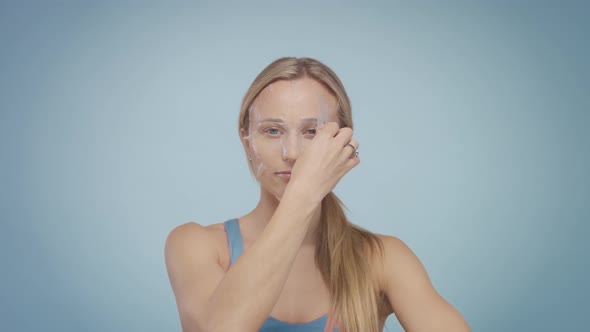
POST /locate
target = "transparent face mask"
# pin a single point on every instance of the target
(283, 134)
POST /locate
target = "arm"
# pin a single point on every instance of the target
(240, 299)
(415, 302)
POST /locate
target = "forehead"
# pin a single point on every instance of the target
(298, 98)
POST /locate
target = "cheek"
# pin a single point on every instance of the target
(265, 149)
(264, 154)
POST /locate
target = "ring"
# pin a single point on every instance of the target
(352, 146)
(354, 152)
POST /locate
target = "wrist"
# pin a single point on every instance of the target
(300, 192)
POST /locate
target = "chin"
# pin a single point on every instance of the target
(278, 194)
(275, 192)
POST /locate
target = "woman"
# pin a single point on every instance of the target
(295, 263)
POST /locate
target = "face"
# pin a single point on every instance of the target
(282, 121)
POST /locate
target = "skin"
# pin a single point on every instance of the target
(197, 257)
(275, 151)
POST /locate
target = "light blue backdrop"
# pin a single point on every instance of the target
(118, 123)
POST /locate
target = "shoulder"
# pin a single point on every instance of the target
(392, 244)
(191, 238)
(410, 293)
(396, 261)
(193, 233)
(194, 270)
(394, 247)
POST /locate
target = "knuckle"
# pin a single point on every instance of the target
(347, 130)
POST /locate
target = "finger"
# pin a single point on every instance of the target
(355, 144)
(331, 129)
(349, 150)
(344, 135)
(351, 163)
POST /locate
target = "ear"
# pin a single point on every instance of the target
(245, 142)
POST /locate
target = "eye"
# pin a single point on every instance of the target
(311, 132)
(272, 131)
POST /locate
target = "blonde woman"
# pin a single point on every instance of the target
(295, 263)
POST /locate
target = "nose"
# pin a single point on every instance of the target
(291, 147)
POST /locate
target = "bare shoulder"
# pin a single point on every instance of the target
(196, 229)
(396, 250)
(193, 234)
(409, 290)
(192, 256)
(401, 267)
(397, 255)
(392, 244)
(192, 238)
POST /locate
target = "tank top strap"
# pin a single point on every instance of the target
(234, 238)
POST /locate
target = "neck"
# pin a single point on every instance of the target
(258, 218)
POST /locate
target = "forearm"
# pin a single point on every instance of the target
(245, 297)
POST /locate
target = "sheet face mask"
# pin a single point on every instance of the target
(281, 132)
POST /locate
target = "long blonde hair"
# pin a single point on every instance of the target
(343, 249)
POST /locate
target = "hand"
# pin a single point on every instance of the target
(325, 160)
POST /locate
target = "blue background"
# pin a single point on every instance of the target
(118, 123)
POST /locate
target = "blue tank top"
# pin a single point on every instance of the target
(236, 247)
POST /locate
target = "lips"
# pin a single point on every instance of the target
(284, 174)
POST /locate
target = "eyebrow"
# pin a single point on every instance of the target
(281, 120)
